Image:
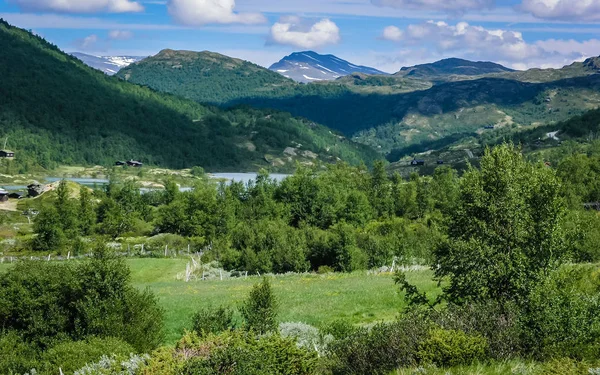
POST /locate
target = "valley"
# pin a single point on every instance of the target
(194, 213)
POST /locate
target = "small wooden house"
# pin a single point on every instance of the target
(417, 162)
(7, 154)
(135, 164)
(440, 162)
(490, 127)
(3, 195)
(16, 195)
(120, 163)
(34, 190)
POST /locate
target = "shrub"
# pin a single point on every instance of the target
(379, 350)
(213, 320)
(16, 357)
(260, 308)
(73, 355)
(114, 365)
(339, 329)
(242, 353)
(447, 348)
(499, 325)
(306, 336)
(47, 303)
(163, 361)
(561, 319)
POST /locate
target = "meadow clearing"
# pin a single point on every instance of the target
(357, 297)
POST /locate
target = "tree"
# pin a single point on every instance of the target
(86, 215)
(506, 232)
(65, 209)
(48, 230)
(260, 308)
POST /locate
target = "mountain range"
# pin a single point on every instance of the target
(57, 110)
(309, 66)
(107, 64)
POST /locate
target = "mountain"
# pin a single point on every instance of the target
(205, 77)
(577, 69)
(452, 67)
(56, 110)
(107, 64)
(309, 66)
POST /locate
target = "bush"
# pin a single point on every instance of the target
(306, 336)
(48, 303)
(447, 348)
(242, 353)
(381, 349)
(499, 325)
(213, 320)
(16, 357)
(339, 329)
(260, 308)
(72, 355)
(562, 317)
(114, 365)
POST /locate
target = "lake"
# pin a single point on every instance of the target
(97, 182)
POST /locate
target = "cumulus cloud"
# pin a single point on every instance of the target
(202, 12)
(79, 6)
(295, 32)
(568, 10)
(475, 40)
(120, 35)
(392, 33)
(452, 6)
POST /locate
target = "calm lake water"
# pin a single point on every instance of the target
(98, 182)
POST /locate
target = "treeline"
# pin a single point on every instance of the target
(55, 110)
(343, 219)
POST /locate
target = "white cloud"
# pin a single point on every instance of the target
(88, 43)
(120, 35)
(202, 12)
(294, 32)
(474, 40)
(392, 33)
(79, 6)
(452, 6)
(568, 10)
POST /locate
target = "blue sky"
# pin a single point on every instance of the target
(386, 34)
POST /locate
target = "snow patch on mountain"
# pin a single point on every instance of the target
(108, 64)
(310, 66)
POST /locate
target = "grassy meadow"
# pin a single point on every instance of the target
(357, 297)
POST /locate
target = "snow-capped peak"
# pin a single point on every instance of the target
(309, 66)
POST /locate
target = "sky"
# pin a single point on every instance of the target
(384, 34)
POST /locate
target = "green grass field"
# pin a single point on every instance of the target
(314, 299)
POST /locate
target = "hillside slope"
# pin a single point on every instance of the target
(309, 66)
(444, 69)
(206, 77)
(56, 110)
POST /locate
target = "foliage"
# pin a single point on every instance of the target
(260, 308)
(53, 105)
(306, 336)
(381, 349)
(447, 348)
(114, 365)
(508, 222)
(73, 355)
(212, 320)
(46, 303)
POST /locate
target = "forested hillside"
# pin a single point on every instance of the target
(205, 77)
(389, 113)
(56, 110)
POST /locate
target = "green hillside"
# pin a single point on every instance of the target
(55, 110)
(391, 113)
(205, 77)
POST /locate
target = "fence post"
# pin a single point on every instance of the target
(68, 255)
(166, 250)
